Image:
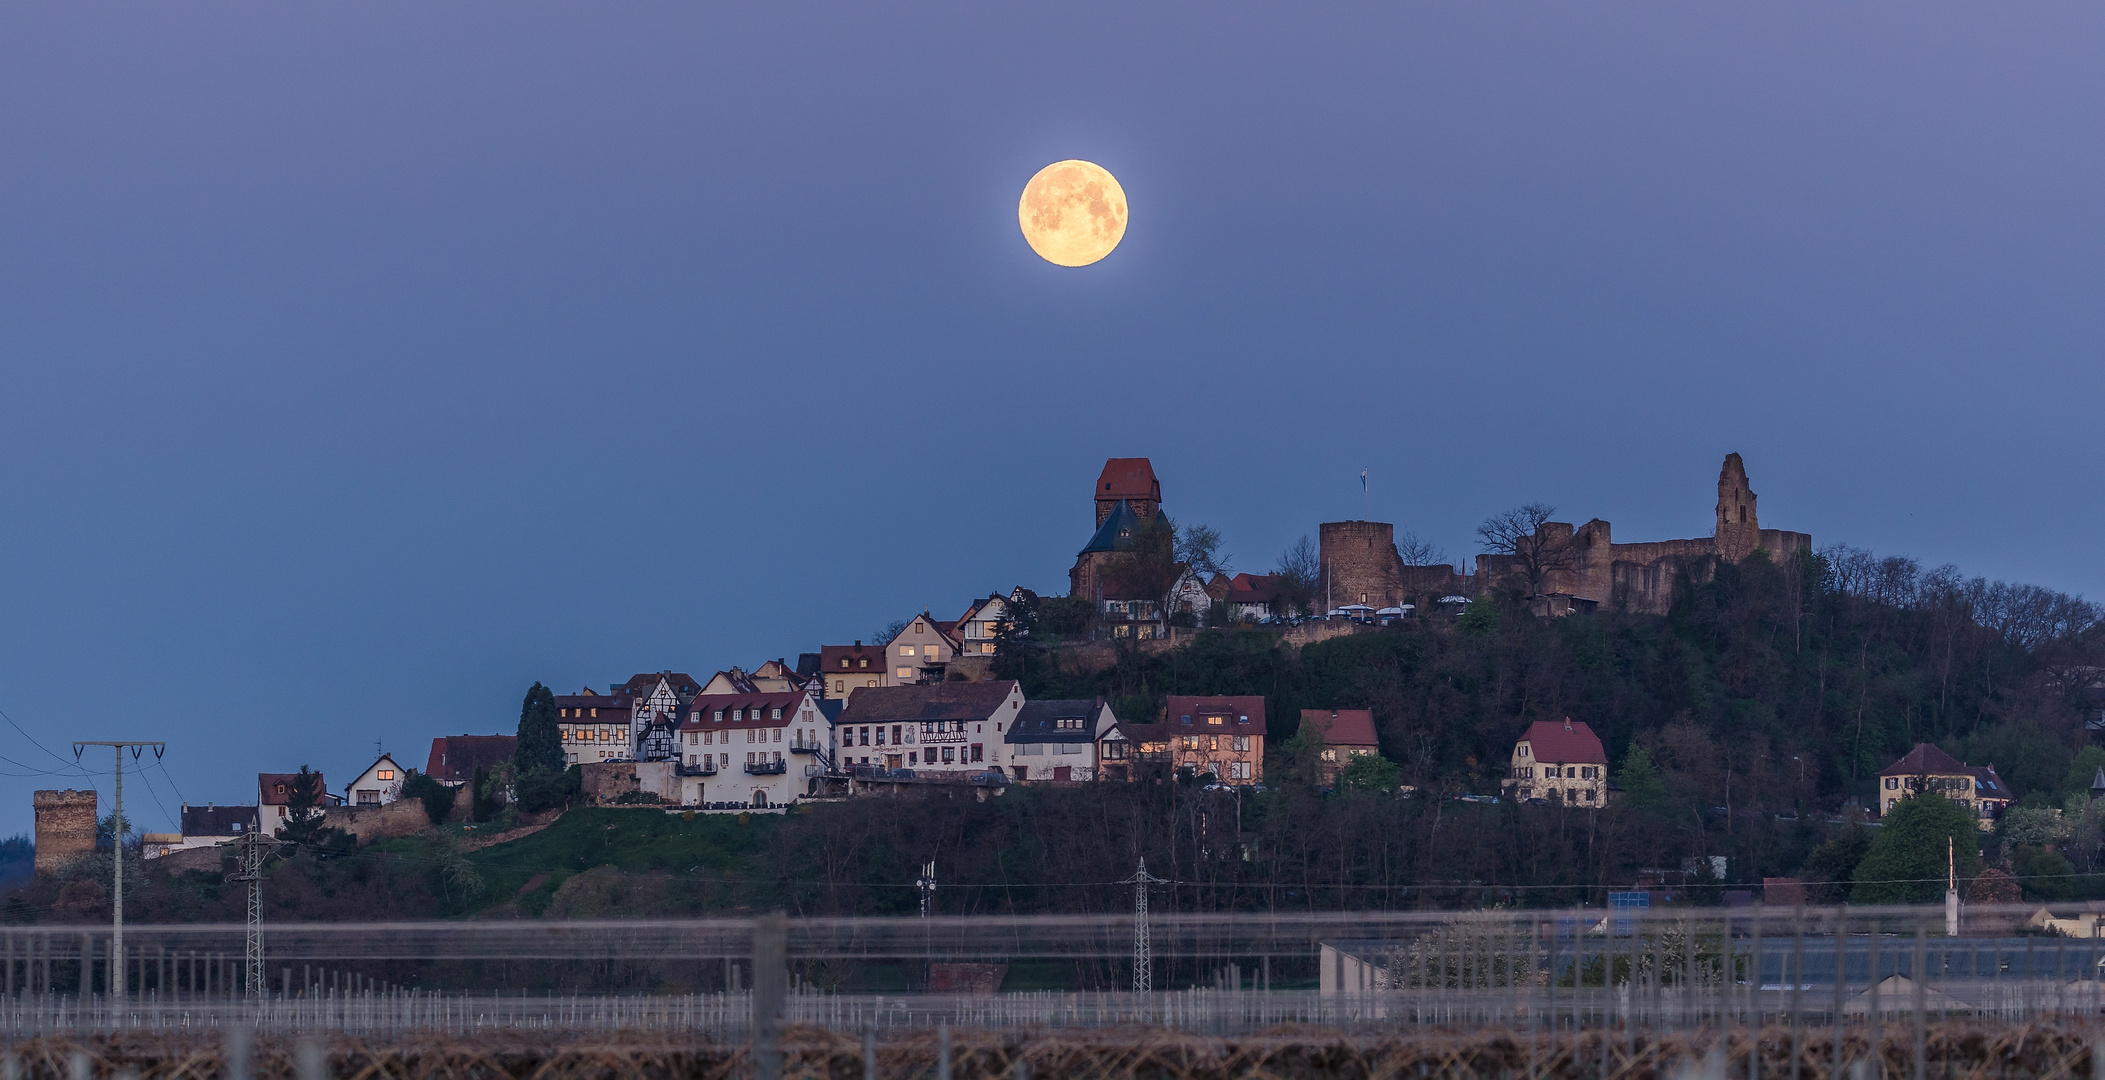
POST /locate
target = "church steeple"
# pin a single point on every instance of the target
(1739, 527)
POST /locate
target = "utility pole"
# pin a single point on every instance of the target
(1951, 890)
(1143, 949)
(117, 965)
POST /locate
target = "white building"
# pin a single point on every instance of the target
(954, 727)
(378, 785)
(920, 652)
(748, 751)
(980, 629)
(1057, 739)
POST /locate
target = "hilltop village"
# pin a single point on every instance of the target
(933, 706)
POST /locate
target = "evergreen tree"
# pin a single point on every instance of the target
(540, 746)
(303, 818)
(1642, 785)
(1906, 861)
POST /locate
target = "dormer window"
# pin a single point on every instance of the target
(778, 713)
(719, 716)
(844, 663)
(865, 662)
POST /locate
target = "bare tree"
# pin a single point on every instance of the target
(1416, 552)
(1299, 571)
(1518, 532)
(1199, 547)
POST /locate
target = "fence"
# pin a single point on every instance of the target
(1550, 974)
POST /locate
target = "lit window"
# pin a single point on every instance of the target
(387, 774)
(863, 663)
(906, 650)
(906, 673)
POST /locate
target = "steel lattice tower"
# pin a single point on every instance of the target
(1143, 948)
(252, 872)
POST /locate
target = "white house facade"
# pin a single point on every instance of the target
(748, 751)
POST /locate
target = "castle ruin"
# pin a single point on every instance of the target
(1582, 567)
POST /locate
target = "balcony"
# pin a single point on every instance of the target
(767, 768)
(804, 749)
(707, 768)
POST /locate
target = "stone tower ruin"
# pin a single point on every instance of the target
(1591, 569)
(1739, 527)
(65, 826)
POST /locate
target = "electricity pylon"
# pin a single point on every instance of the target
(1143, 948)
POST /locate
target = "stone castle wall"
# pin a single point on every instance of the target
(65, 826)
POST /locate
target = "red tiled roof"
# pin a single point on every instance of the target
(938, 701)
(1342, 727)
(1251, 589)
(830, 657)
(1564, 742)
(1128, 478)
(1177, 708)
(456, 757)
(743, 705)
(1926, 760)
(267, 787)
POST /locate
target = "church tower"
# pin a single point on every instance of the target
(1739, 528)
(1129, 480)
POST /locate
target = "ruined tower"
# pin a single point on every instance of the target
(1739, 528)
(65, 826)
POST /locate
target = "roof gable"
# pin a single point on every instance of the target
(743, 710)
(1040, 721)
(1926, 760)
(1176, 708)
(1561, 742)
(1342, 727)
(831, 659)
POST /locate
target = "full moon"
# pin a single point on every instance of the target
(1073, 212)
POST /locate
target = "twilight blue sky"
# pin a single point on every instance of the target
(362, 364)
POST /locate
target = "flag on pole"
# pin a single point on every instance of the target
(1363, 481)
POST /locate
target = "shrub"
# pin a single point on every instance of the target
(436, 797)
